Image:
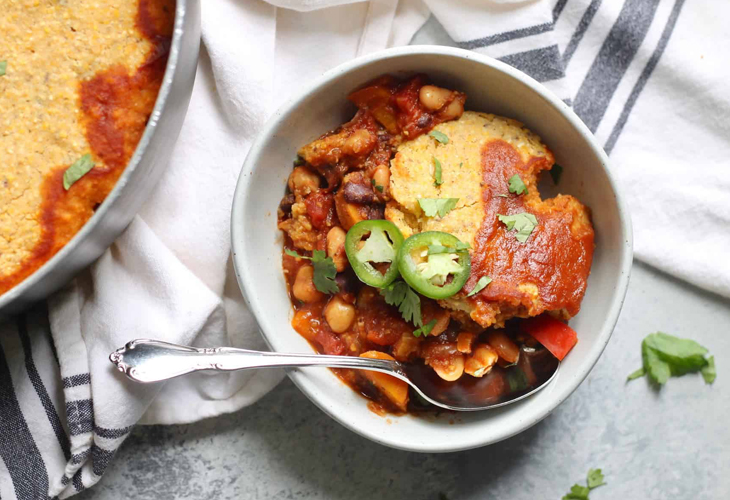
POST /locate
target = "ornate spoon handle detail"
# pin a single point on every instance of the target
(154, 361)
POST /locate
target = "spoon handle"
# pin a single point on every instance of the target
(147, 361)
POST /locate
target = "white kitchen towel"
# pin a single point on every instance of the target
(647, 76)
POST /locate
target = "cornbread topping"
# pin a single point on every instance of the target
(80, 79)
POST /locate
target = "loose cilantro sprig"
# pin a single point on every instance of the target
(425, 329)
(516, 185)
(437, 173)
(439, 136)
(440, 206)
(324, 270)
(579, 492)
(407, 301)
(524, 223)
(665, 356)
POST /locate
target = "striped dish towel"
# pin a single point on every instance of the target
(648, 77)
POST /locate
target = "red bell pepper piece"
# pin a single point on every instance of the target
(554, 335)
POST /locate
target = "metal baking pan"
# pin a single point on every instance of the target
(138, 179)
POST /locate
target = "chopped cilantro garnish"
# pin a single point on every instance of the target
(579, 492)
(516, 185)
(481, 284)
(460, 247)
(407, 301)
(523, 223)
(439, 136)
(437, 173)
(3, 67)
(324, 270)
(76, 171)
(665, 356)
(379, 188)
(298, 161)
(556, 172)
(425, 329)
(376, 186)
(440, 206)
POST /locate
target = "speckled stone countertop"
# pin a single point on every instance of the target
(672, 443)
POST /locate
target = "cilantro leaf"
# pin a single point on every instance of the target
(377, 248)
(408, 302)
(595, 478)
(461, 246)
(294, 254)
(80, 168)
(394, 293)
(665, 356)
(708, 371)
(481, 284)
(556, 172)
(324, 272)
(376, 186)
(636, 374)
(439, 136)
(516, 185)
(437, 173)
(3, 67)
(425, 329)
(440, 206)
(579, 492)
(524, 223)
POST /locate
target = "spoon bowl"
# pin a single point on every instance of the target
(149, 361)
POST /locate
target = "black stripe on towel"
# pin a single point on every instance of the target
(80, 416)
(614, 58)
(112, 433)
(101, 459)
(506, 36)
(77, 482)
(76, 380)
(542, 64)
(648, 69)
(40, 389)
(17, 447)
(585, 21)
(515, 34)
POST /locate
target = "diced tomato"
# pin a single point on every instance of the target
(320, 208)
(556, 336)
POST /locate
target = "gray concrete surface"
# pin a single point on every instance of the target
(672, 443)
(667, 444)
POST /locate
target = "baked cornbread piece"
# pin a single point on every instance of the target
(81, 78)
(548, 271)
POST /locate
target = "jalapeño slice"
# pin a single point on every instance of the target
(372, 242)
(434, 264)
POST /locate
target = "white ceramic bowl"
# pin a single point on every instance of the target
(490, 86)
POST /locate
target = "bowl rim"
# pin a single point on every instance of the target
(98, 218)
(246, 284)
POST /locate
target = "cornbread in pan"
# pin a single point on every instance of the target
(547, 272)
(81, 78)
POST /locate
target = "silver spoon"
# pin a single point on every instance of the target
(150, 361)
